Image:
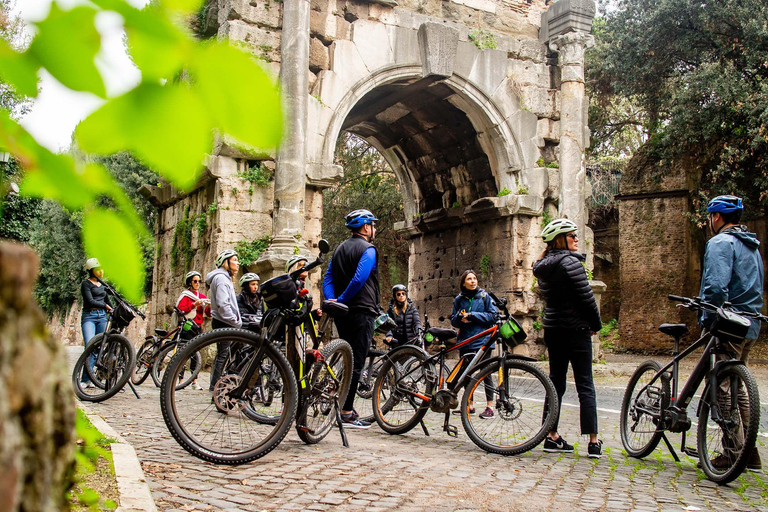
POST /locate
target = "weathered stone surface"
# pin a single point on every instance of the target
(319, 57)
(262, 42)
(372, 40)
(567, 16)
(438, 49)
(528, 72)
(489, 70)
(347, 63)
(542, 102)
(264, 13)
(37, 412)
(405, 44)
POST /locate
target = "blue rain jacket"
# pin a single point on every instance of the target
(733, 272)
(482, 315)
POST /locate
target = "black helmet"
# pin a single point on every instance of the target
(399, 288)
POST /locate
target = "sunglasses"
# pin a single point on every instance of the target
(400, 293)
(572, 235)
(195, 280)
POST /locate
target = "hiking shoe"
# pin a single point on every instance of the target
(557, 446)
(486, 414)
(352, 420)
(595, 450)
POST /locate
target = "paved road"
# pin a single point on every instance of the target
(413, 472)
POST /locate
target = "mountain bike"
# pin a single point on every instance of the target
(259, 391)
(158, 349)
(729, 406)
(114, 354)
(411, 382)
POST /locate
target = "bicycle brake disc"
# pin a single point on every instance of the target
(221, 399)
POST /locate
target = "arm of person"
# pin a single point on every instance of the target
(227, 310)
(186, 305)
(328, 292)
(718, 268)
(364, 267)
(455, 314)
(487, 317)
(586, 303)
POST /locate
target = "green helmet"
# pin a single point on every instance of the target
(293, 260)
(557, 227)
(224, 256)
(247, 278)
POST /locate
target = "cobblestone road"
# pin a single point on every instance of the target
(413, 472)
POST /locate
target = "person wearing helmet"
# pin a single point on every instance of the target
(352, 278)
(294, 263)
(224, 308)
(95, 306)
(570, 318)
(733, 272)
(249, 301)
(405, 315)
(194, 306)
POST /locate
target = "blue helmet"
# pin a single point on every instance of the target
(359, 218)
(725, 204)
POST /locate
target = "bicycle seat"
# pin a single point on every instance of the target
(376, 353)
(674, 330)
(442, 334)
(161, 332)
(334, 309)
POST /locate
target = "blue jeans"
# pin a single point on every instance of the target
(93, 323)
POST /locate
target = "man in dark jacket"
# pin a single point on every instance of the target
(733, 272)
(352, 278)
(405, 315)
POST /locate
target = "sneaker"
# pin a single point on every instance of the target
(197, 387)
(595, 450)
(351, 420)
(486, 414)
(557, 446)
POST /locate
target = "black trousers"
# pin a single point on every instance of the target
(222, 351)
(356, 328)
(575, 347)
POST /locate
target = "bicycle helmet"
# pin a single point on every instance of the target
(557, 227)
(190, 275)
(359, 218)
(91, 263)
(224, 256)
(399, 288)
(293, 260)
(725, 204)
(247, 278)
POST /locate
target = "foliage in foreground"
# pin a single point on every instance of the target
(91, 446)
(166, 120)
(691, 78)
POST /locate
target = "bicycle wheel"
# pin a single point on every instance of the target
(726, 443)
(641, 410)
(143, 363)
(267, 389)
(363, 403)
(110, 372)
(186, 376)
(216, 429)
(401, 389)
(328, 383)
(526, 404)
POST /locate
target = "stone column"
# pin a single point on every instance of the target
(290, 174)
(574, 134)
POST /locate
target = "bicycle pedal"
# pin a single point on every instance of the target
(691, 452)
(451, 430)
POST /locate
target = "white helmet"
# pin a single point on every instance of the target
(293, 260)
(247, 278)
(224, 256)
(190, 275)
(91, 263)
(557, 227)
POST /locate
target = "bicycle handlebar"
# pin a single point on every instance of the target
(696, 304)
(122, 299)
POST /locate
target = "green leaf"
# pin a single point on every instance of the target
(109, 238)
(19, 70)
(165, 126)
(158, 47)
(247, 102)
(182, 5)
(88, 496)
(66, 45)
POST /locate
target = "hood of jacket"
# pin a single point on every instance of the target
(747, 238)
(213, 273)
(550, 263)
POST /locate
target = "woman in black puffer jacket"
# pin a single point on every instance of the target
(404, 313)
(570, 318)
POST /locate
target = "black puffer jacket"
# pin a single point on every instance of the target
(569, 298)
(408, 324)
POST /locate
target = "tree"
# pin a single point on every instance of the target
(698, 72)
(368, 183)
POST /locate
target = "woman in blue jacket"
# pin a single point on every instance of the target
(473, 313)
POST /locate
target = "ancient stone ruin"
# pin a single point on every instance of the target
(477, 105)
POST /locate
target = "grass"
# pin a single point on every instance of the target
(95, 486)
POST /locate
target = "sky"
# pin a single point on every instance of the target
(57, 110)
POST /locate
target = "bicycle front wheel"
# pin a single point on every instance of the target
(329, 385)
(111, 370)
(217, 429)
(402, 390)
(728, 427)
(526, 406)
(143, 363)
(187, 374)
(641, 411)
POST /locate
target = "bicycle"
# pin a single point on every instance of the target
(115, 356)
(728, 420)
(260, 391)
(411, 382)
(158, 349)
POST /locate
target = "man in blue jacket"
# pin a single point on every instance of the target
(733, 272)
(352, 278)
